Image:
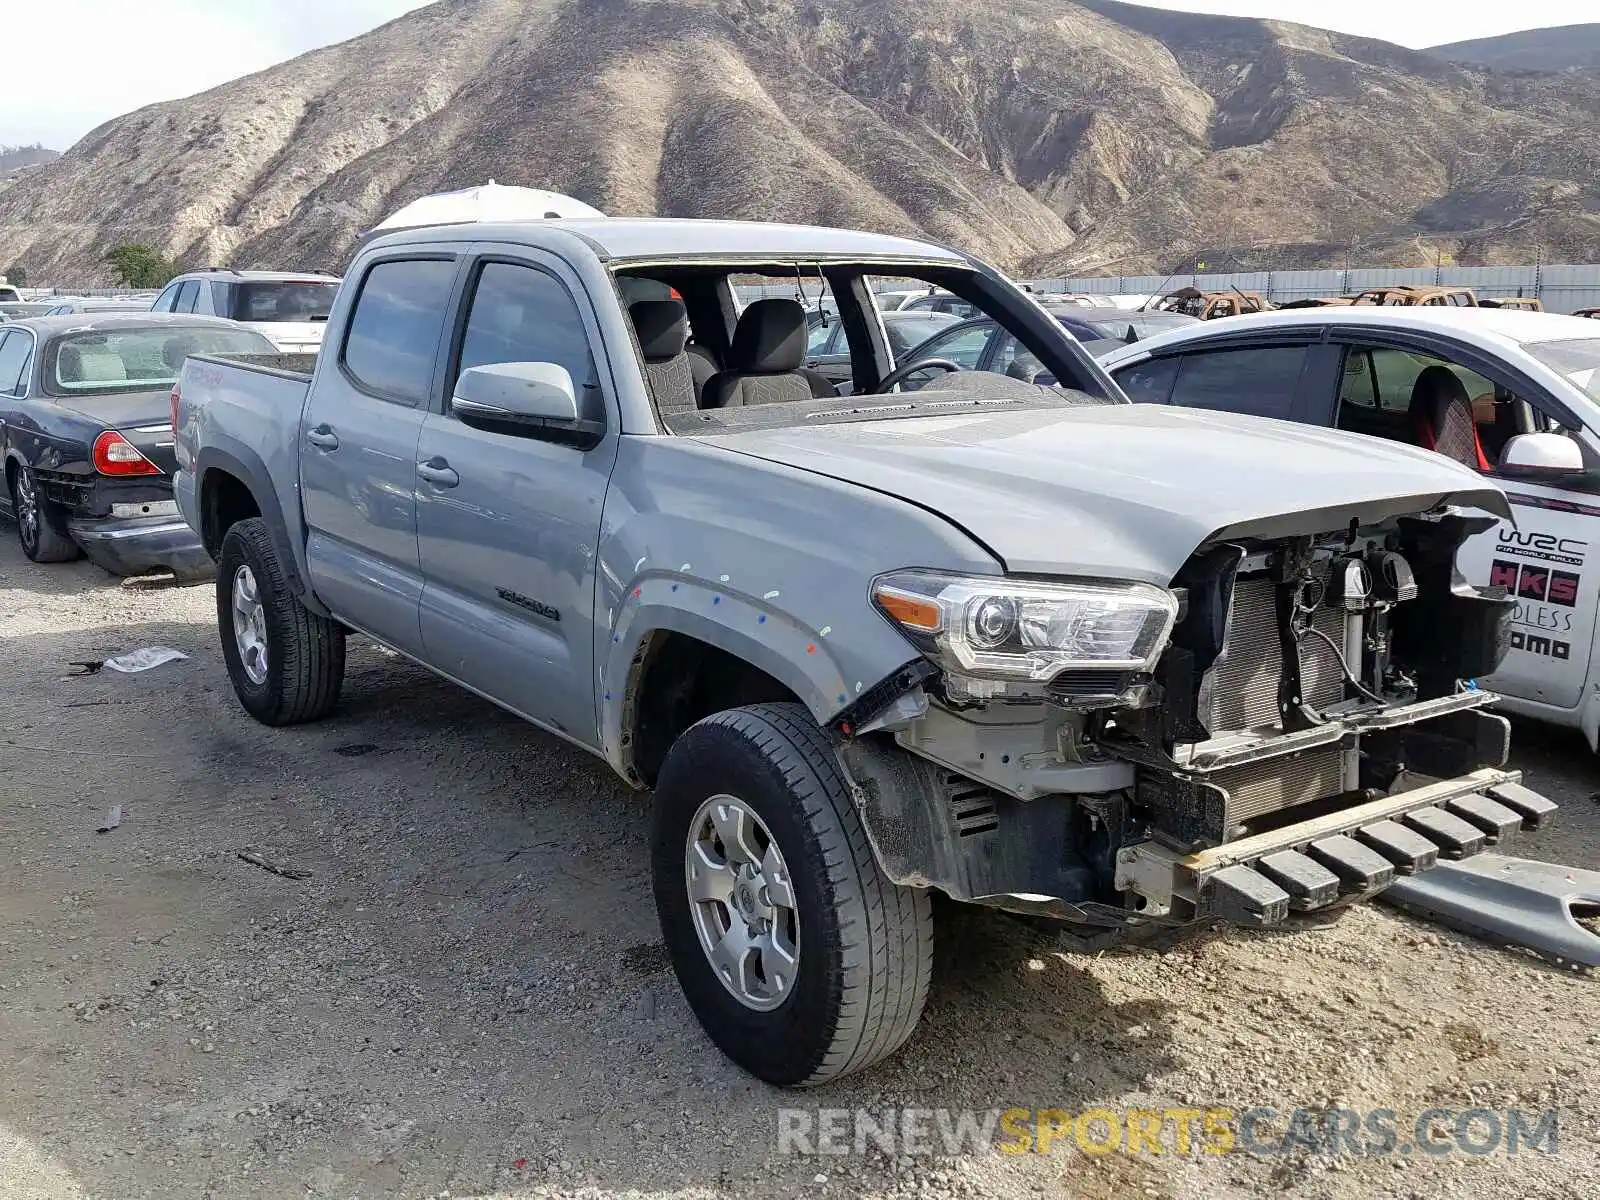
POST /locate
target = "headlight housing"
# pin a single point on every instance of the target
(1019, 629)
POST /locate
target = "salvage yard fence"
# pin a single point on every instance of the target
(1560, 288)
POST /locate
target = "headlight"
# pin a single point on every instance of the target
(1001, 628)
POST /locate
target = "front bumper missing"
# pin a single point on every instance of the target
(1350, 854)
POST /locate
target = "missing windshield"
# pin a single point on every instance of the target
(717, 341)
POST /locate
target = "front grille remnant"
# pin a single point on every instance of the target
(1244, 682)
(971, 805)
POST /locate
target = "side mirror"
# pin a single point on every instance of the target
(1045, 379)
(527, 399)
(1541, 454)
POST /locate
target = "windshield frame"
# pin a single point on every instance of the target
(848, 278)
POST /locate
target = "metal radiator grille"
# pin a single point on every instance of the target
(1280, 783)
(1244, 681)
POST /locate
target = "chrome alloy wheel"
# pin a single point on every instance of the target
(742, 902)
(249, 625)
(27, 501)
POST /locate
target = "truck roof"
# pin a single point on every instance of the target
(673, 238)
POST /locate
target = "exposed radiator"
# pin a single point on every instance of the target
(1243, 691)
(1280, 783)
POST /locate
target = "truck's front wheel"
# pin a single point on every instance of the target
(800, 958)
(286, 662)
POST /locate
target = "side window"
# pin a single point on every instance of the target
(819, 335)
(188, 293)
(964, 347)
(166, 300)
(393, 334)
(14, 356)
(1260, 381)
(522, 314)
(1149, 382)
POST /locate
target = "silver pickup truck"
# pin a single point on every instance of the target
(1011, 639)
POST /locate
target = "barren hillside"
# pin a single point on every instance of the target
(1047, 135)
(1560, 48)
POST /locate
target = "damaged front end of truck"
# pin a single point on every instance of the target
(1289, 725)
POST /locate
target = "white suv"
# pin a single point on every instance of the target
(290, 308)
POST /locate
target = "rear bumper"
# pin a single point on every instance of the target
(137, 545)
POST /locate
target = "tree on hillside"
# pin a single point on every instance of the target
(139, 266)
(15, 275)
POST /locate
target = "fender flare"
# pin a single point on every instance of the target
(245, 466)
(743, 626)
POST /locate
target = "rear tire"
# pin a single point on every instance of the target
(285, 661)
(864, 945)
(41, 525)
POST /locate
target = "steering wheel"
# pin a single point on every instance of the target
(898, 376)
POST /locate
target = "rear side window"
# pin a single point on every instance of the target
(1260, 381)
(13, 358)
(394, 329)
(1148, 382)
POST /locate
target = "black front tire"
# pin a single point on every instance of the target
(44, 537)
(865, 943)
(304, 652)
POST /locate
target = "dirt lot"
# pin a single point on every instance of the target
(467, 995)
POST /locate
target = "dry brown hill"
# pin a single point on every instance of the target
(1559, 48)
(1047, 135)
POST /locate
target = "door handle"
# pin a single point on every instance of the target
(323, 438)
(438, 472)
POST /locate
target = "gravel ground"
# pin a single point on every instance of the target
(467, 995)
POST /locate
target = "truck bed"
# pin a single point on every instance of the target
(296, 366)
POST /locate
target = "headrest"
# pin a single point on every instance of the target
(69, 365)
(662, 326)
(173, 351)
(1436, 386)
(770, 338)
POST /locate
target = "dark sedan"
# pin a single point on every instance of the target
(86, 435)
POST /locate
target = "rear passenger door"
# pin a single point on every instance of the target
(358, 453)
(829, 356)
(508, 524)
(1258, 379)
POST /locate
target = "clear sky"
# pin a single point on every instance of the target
(71, 64)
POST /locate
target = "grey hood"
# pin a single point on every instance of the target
(1123, 491)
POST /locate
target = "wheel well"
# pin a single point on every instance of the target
(225, 500)
(678, 680)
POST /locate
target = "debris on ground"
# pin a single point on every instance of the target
(113, 819)
(144, 659)
(266, 864)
